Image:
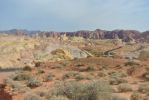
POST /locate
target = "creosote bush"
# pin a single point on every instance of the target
(96, 90)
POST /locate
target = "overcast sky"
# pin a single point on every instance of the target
(72, 15)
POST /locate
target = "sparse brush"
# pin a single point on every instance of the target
(21, 76)
(97, 90)
(17, 86)
(70, 74)
(117, 74)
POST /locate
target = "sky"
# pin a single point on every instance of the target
(73, 15)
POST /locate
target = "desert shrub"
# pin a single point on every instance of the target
(90, 68)
(144, 88)
(97, 90)
(38, 64)
(41, 71)
(124, 87)
(27, 68)
(58, 66)
(33, 82)
(136, 96)
(41, 93)
(146, 76)
(79, 65)
(131, 63)
(117, 81)
(17, 86)
(118, 97)
(79, 77)
(89, 77)
(144, 55)
(70, 74)
(22, 76)
(58, 98)
(102, 74)
(117, 74)
(49, 77)
(31, 96)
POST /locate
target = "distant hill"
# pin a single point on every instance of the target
(125, 35)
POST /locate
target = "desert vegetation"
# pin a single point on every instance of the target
(40, 68)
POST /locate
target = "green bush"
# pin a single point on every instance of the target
(97, 90)
(124, 87)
